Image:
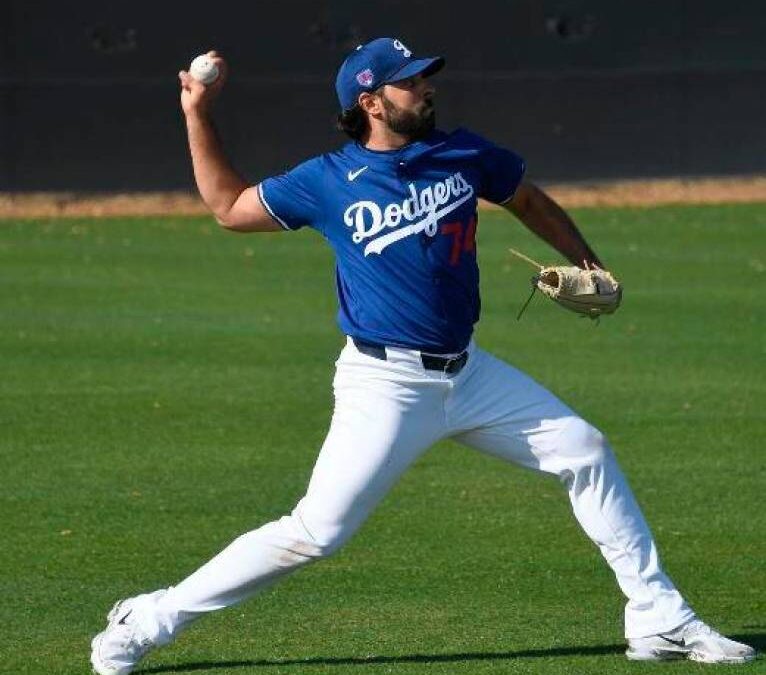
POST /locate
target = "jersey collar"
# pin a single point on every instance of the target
(407, 153)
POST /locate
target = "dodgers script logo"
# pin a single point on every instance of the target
(421, 209)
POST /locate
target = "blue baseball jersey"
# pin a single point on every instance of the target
(402, 224)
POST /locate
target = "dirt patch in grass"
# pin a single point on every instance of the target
(662, 191)
(620, 193)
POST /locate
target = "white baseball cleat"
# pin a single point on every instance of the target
(695, 641)
(118, 649)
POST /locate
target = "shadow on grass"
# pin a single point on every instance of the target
(757, 640)
(407, 658)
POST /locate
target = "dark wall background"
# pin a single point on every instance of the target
(583, 89)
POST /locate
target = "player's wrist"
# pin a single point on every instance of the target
(197, 116)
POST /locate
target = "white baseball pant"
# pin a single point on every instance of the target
(387, 413)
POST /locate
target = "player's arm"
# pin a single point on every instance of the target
(234, 203)
(551, 223)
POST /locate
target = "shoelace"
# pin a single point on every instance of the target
(132, 642)
(698, 628)
(137, 647)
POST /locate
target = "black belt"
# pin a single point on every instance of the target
(446, 364)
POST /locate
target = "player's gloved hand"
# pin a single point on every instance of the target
(590, 292)
(196, 98)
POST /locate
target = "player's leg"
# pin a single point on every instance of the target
(502, 411)
(384, 419)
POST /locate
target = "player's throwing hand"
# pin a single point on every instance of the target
(197, 97)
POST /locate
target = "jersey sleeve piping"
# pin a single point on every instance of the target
(270, 210)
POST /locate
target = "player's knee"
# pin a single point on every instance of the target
(583, 443)
(327, 538)
(302, 543)
(286, 543)
(582, 455)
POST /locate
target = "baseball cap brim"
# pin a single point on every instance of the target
(423, 67)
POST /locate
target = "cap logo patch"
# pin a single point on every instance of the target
(365, 77)
(400, 46)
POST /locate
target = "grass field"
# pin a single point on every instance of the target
(166, 386)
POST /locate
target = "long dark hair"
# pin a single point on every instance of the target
(352, 122)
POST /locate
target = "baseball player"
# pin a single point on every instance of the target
(398, 206)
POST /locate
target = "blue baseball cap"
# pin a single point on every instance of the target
(377, 63)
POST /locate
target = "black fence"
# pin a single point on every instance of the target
(583, 89)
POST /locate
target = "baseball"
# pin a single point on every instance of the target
(203, 69)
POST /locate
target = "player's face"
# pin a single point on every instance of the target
(408, 106)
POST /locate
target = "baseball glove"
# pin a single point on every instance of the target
(590, 291)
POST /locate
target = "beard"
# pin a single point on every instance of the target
(414, 124)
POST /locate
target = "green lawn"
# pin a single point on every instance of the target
(165, 387)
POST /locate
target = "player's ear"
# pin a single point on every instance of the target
(370, 103)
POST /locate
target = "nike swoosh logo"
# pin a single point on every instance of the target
(353, 174)
(677, 643)
(122, 620)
